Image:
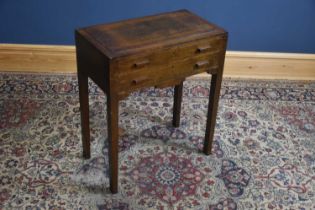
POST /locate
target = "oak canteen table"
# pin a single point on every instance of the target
(159, 51)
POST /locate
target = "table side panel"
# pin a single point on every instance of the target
(91, 62)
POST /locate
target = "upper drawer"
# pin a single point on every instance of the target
(166, 57)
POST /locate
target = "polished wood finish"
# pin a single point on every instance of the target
(160, 51)
(112, 120)
(84, 109)
(212, 112)
(178, 93)
(130, 37)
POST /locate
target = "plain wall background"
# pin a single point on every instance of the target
(266, 25)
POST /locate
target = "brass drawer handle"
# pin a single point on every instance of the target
(201, 64)
(141, 63)
(139, 80)
(203, 48)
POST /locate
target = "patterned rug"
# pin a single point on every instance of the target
(263, 155)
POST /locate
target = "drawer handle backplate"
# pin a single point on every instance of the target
(203, 48)
(141, 63)
(201, 64)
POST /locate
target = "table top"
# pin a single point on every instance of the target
(148, 33)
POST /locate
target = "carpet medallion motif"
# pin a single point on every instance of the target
(263, 153)
(167, 176)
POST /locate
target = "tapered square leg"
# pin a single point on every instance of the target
(214, 96)
(84, 109)
(178, 93)
(112, 119)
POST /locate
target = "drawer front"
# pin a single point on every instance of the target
(176, 72)
(167, 56)
(175, 63)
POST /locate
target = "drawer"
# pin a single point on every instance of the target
(176, 71)
(166, 57)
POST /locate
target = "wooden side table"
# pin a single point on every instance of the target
(160, 50)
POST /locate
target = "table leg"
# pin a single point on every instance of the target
(84, 109)
(178, 92)
(112, 119)
(214, 96)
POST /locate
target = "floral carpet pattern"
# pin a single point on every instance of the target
(263, 155)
